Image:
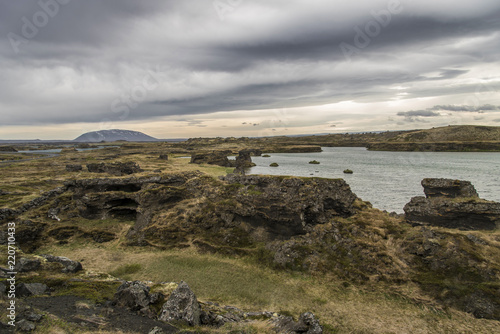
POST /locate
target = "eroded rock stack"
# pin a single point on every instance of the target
(452, 204)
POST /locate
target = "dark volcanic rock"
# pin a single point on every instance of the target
(117, 168)
(218, 158)
(26, 265)
(287, 206)
(133, 295)
(25, 325)
(452, 204)
(6, 213)
(182, 305)
(307, 324)
(163, 157)
(74, 168)
(42, 199)
(28, 234)
(243, 160)
(31, 289)
(239, 211)
(448, 188)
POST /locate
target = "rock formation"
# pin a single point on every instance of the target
(69, 266)
(134, 296)
(117, 168)
(448, 188)
(452, 204)
(182, 305)
(74, 168)
(218, 158)
(307, 324)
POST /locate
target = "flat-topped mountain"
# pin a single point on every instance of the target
(114, 135)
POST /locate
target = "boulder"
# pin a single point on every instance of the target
(182, 305)
(133, 295)
(452, 204)
(307, 324)
(163, 157)
(31, 316)
(24, 265)
(25, 325)
(74, 168)
(312, 324)
(70, 266)
(448, 188)
(31, 289)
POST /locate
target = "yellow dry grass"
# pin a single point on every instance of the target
(229, 281)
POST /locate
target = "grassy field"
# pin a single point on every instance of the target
(340, 306)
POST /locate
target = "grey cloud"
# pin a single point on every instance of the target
(466, 108)
(419, 113)
(93, 51)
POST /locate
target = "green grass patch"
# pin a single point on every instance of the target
(96, 291)
(126, 270)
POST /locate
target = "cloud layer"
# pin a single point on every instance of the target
(136, 63)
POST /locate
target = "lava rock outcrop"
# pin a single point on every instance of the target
(452, 204)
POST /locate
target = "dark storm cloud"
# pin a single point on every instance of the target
(92, 61)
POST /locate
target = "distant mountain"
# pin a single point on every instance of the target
(114, 135)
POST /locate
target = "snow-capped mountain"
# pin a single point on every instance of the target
(114, 135)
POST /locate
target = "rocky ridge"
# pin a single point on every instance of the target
(289, 223)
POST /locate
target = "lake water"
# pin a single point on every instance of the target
(389, 179)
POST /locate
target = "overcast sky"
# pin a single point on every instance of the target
(188, 68)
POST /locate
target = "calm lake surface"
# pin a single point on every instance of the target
(389, 179)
